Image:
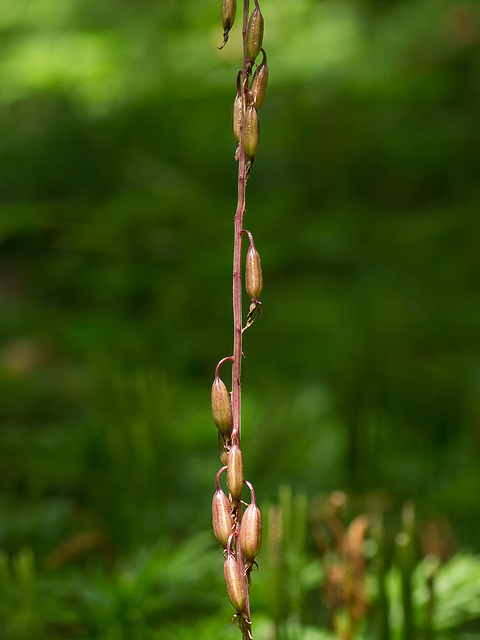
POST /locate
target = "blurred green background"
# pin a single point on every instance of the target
(118, 190)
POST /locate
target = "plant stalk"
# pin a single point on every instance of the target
(245, 625)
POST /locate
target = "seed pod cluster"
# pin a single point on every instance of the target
(237, 528)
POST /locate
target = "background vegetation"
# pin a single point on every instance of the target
(363, 375)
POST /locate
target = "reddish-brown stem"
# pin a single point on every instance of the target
(237, 311)
(252, 492)
(217, 368)
(237, 261)
(217, 477)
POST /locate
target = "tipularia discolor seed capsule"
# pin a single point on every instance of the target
(250, 539)
(221, 407)
(229, 9)
(253, 273)
(259, 82)
(235, 472)
(235, 585)
(251, 132)
(221, 517)
(237, 117)
(254, 34)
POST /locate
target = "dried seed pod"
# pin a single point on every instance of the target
(250, 132)
(254, 34)
(235, 584)
(259, 82)
(250, 539)
(235, 472)
(221, 407)
(221, 517)
(237, 111)
(229, 9)
(253, 273)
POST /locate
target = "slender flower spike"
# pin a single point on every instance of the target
(253, 273)
(229, 9)
(235, 585)
(250, 539)
(235, 472)
(221, 517)
(254, 34)
(260, 81)
(251, 132)
(221, 407)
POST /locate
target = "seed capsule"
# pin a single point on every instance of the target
(250, 539)
(259, 82)
(221, 517)
(235, 472)
(235, 586)
(251, 132)
(229, 9)
(254, 34)
(221, 407)
(253, 273)
(237, 111)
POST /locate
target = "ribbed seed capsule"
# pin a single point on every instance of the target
(250, 539)
(251, 132)
(229, 9)
(235, 472)
(259, 82)
(221, 517)
(235, 585)
(253, 273)
(237, 111)
(254, 34)
(221, 407)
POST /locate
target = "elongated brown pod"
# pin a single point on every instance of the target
(237, 111)
(229, 9)
(251, 132)
(259, 82)
(254, 34)
(221, 407)
(250, 539)
(235, 472)
(221, 517)
(235, 585)
(253, 273)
